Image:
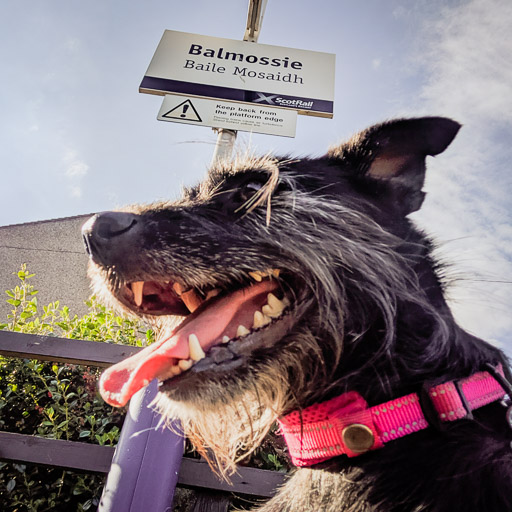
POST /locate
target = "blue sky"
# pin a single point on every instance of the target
(77, 137)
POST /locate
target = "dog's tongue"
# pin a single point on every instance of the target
(121, 381)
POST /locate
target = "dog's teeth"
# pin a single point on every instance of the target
(256, 276)
(137, 289)
(242, 331)
(196, 351)
(178, 288)
(267, 310)
(175, 370)
(225, 339)
(275, 307)
(212, 293)
(275, 303)
(185, 364)
(171, 372)
(191, 300)
(260, 320)
(275, 272)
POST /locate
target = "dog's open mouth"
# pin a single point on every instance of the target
(213, 319)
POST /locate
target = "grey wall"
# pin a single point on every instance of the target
(54, 251)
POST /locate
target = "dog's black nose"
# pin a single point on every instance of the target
(108, 235)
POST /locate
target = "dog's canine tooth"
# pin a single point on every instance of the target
(185, 364)
(137, 289)
(192, 300)
(226, 339)
(196, 351)
(256, 276)
(178, 288)
(275, 272)
(242, 330)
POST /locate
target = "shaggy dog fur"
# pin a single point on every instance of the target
(364, 311)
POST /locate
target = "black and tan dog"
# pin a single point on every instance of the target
(298, 290)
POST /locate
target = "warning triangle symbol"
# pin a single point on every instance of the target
(184, 111)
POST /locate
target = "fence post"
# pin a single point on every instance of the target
(146, 463)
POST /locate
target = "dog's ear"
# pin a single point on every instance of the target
(394, 153)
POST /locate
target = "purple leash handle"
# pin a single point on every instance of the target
(146, 462)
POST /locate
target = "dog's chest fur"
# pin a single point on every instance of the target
(360, 307)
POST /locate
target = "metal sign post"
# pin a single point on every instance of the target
(226, 138)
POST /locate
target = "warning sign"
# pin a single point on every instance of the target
(184, 111)
(230, 115)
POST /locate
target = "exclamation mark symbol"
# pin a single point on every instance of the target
(184, 113)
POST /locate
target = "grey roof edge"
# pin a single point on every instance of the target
(32, 223)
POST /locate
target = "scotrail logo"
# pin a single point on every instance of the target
(275, 99)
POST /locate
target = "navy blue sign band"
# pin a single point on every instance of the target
(227, 93)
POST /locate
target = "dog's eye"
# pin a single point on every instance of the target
(247, 190)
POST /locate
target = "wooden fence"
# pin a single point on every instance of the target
(94, 458)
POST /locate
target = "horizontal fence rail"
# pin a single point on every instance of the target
(74, 455)
(94, 458)
(63, 350)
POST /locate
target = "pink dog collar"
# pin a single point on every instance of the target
(345, 425)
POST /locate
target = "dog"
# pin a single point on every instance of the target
(298, 290)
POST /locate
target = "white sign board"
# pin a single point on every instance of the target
(228, 114)
(226, 69)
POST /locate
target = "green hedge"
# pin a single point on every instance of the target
(58, 401)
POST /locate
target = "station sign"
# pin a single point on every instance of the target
(240, 71)
(228, 114)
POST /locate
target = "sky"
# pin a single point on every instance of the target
(77, 137)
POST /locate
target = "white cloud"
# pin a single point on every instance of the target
(75, 191)
(74, 166)
(467, 54)
(77, 168)
(470, 57)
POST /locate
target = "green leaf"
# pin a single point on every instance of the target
(85, 433)
(11, 485)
